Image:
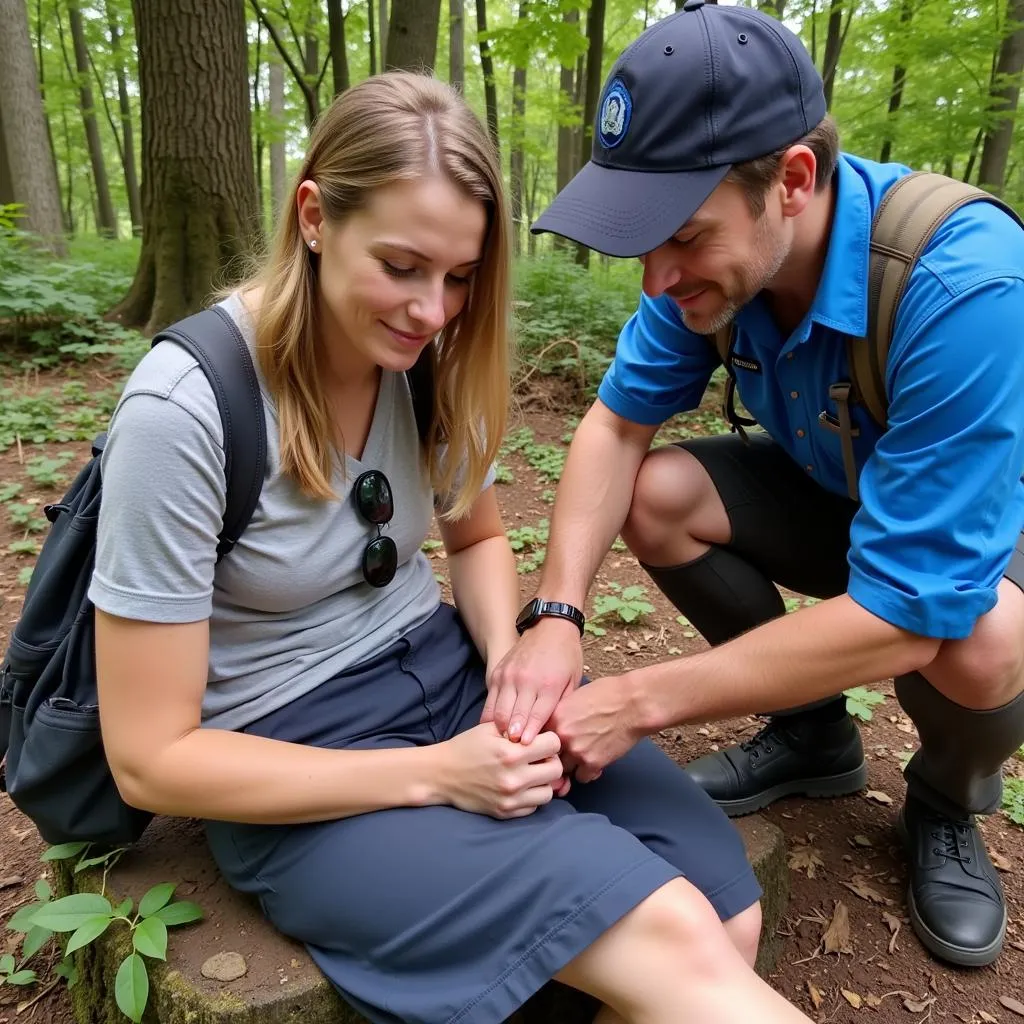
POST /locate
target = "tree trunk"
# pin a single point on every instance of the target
(372, 22)
(833, 44)
(595, 51)
(131, 174)
(517, 154)
(307, 84)
(412, 34)
(568, 121)
(31, 162)
(457, 44)
(106, 219)
(487, 67)
(68, 220)
(973, 157)
(1004, 95)
(278, 183)
(198, 191)
(339, 55)
(382, 30)
(261, 202)
(6, 181)
(311, 56)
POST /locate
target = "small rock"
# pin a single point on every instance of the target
(224, 967)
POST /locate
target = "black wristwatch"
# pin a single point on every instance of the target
(537, 609)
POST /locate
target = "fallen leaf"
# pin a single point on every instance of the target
(1014, 1005)
(815, 995)
(933, 983)
(805, 858)
(836, 937)
(987, 1017)
(895, 924)
(1000, 861)
(859, 885)
(878, 796)
(861, 841)
(852, 998)
(872, 1000)
(918, 1005)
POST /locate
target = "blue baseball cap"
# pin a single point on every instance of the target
(703, 89)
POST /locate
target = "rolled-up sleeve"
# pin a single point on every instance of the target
(942, 494)
(660, 368)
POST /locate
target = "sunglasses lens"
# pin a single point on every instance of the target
(380, 562)
(372, 494)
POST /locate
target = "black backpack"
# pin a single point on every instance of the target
(55, 770)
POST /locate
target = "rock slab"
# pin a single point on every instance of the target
(279, 983)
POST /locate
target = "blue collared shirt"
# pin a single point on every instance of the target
(942, 494)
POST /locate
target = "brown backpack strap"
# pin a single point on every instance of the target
(909, 214)
(723, 342)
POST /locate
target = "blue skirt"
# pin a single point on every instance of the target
(438, 916)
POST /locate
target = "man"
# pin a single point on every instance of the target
(714, 161)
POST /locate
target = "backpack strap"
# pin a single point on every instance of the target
(911, 211)
(724, 341)
(214, 340)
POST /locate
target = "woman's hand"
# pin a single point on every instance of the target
(483, 772)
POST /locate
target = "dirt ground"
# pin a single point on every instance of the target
(844, 857)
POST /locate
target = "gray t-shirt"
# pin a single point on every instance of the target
(288, 607)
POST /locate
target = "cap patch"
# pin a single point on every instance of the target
(616, 110)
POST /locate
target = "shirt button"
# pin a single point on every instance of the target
(794, 394)
(810, 469)
(789, 355)
(800, 433)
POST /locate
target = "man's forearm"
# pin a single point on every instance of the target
(592, 503)
(814, 653)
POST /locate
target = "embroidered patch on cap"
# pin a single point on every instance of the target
(616, 111)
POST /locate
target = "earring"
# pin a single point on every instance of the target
(312, 243)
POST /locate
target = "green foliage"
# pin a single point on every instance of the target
(628, 605)
(85, 916)
(529, 544)
(502, 474)
(547, 460)
(1013, 800)
(860, 700)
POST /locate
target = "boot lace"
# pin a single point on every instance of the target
(952, 837)
(763, 741)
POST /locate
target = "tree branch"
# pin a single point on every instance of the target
(323, 71)
(106, 106)
(285, 55)
(286, 14)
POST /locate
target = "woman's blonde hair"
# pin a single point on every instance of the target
(393, 127)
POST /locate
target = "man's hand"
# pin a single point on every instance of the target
(527, 684)
(597, 725)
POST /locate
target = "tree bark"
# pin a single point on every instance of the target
(595, 51)
(899, 79)
(412, 34)
(131, 174)
(382, 30)
(278, 184)
(198, 191)
(457, 44)
(833, 45)
(995, 151)
(6, 181)
(487, 67)
(371, 20)
(339, 55)
(106, 219)
(568, 125)
(517, 153)
(30, 159)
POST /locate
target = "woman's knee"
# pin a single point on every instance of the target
(673, 498)
(744, 929)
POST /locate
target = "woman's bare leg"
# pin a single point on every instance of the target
(670, 959)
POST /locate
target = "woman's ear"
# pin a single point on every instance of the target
(307, 202)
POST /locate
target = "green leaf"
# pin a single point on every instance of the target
(91, 929)
(91, 862)
(157, 897)
(150, 938)
(180, 912)
(6, 964)
(23, 919)
(64, 851)
(124, 908)
(21, 978)
(67, 970)
(35, 939)
(860, 700)
(71, 912)
(131, 987)
(43, 890)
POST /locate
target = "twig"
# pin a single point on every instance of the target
(22, 1007)
(535, 366)
(21, 454)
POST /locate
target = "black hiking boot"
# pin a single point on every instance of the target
(955, 898)
(788, 757)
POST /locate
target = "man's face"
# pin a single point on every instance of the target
(719, 260)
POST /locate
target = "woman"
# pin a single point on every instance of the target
(310, 696)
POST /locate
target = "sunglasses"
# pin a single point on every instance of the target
(372, 496)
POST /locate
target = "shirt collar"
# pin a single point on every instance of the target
(841, 301)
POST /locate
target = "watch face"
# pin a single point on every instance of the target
(528, 614)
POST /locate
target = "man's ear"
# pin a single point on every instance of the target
(307, 201)
(797, 175)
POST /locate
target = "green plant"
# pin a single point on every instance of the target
(431, 545)
(860, 700)
(9, 492)
(529, 543)
(46, 471)
(27, 517)
(85, 916)
(502, 474)
(24, 576)
(1013, 800)
(628, 604)
(23, 547)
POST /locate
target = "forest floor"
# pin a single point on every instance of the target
(845, 862)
